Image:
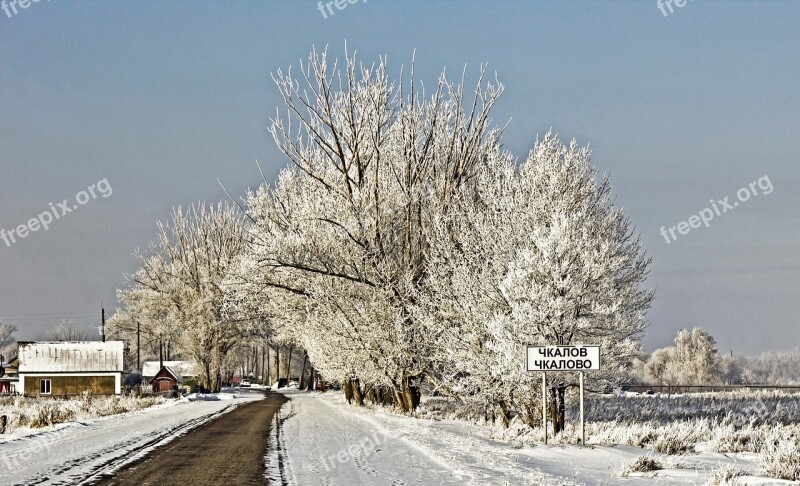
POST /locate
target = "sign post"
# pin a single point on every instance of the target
(583, 423)
(544, 405)
(562, 358)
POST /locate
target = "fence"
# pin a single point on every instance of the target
(680, 389)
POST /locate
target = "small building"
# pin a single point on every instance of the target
(165, 380)
(9, 376)
(185, 369)
(66, 368)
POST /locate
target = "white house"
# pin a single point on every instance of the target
(70, 368)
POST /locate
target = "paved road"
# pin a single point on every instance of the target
(228, 450)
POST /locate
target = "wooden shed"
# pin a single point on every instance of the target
(165, 379)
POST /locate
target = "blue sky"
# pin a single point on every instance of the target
(162, 99)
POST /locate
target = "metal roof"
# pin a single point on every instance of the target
(71, 356)
(169, 370)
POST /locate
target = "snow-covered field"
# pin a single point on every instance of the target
(77, 452)
(322, 440)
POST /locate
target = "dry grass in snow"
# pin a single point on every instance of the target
(44, 412)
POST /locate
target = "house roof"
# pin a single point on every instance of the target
(182, 368)
(166, 370)
(70, 356)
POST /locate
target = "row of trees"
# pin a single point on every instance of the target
(695, 360)
(403, 248)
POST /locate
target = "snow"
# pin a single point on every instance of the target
(78, 452)
(328, 442)
(319, 439)
(193, 397)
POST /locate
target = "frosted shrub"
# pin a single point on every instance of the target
(675, 438)
(725, 476)
(38, 413)
(641, 464)
(730, 439)
(673, 444)
(50, 413)
(780, 459)
(85, 401)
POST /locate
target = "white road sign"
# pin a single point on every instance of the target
(562, 358)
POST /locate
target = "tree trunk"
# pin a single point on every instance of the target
(264, 365)
(358, 396)
(303, 372)
(411, 395)
(557, 408)
(387, 396)
(406, 395)
(277, 364)
(398, 398)
(289, 365)
(348, 390)
(371, 396)
(505, 413)
(216, 368)
(206, 379)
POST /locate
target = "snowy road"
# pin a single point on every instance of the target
(329, 443)
(79, 452)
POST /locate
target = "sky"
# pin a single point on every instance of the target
(127, 109)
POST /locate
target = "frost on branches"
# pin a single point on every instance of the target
(176, 293)
(537, 255)
(403, 248)
(345, 232)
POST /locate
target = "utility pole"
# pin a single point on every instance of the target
(138, 349)
(103, 322)
(160, 352)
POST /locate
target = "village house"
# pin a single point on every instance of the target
(8, 375)
(68, 368)
(183, 369)
(165, 380)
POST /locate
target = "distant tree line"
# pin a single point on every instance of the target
(695, 360)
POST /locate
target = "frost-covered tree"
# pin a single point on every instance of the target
(693, 360)
(8, 344)
(67, 330)
(340, 245)
(177, 289)
(772, 368)
(535, 255)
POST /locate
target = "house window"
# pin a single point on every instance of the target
(44, 387)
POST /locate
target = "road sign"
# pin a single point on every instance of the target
(562, 358)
